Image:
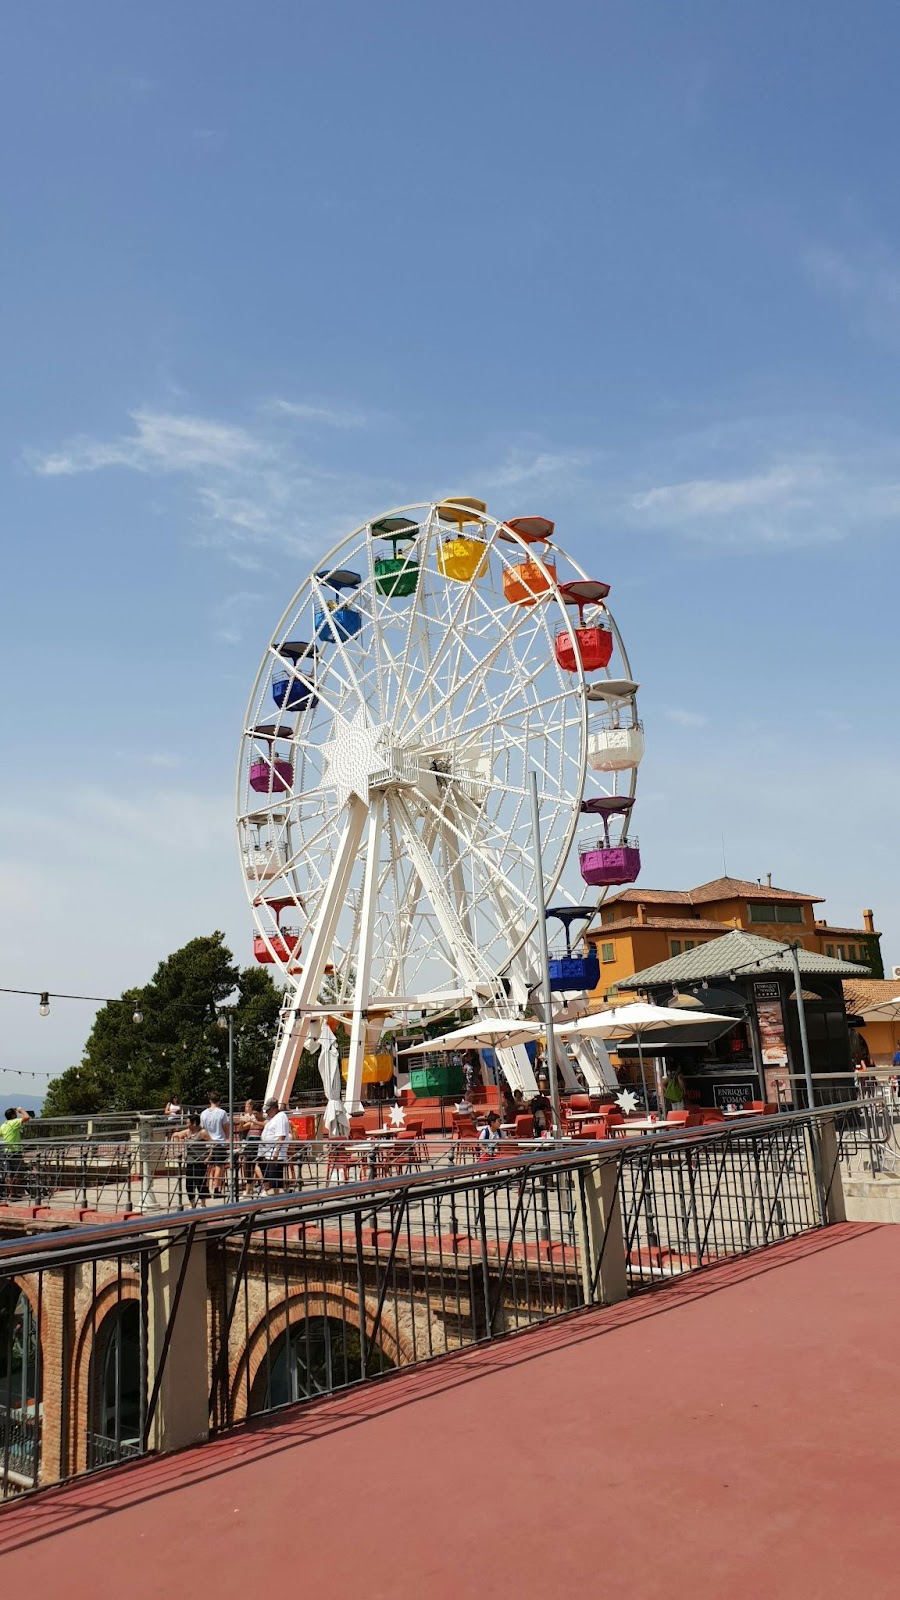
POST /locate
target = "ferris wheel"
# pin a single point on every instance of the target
(431, 662)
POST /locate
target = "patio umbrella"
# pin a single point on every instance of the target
(500, 1033)
(335, 1119)
(636, 1020)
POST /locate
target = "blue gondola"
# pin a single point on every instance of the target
(335, 621)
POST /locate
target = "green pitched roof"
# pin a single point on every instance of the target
(734, 952)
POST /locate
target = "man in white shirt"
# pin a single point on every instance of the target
(215, 1121)
(273, 1147)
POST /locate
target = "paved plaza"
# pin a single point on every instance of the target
(732, 1434)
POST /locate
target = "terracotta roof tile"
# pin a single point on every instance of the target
(743, 889)
(863, 993)
(716, 889)
(678, 924)
(826, 928)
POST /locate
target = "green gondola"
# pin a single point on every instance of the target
(396, 576)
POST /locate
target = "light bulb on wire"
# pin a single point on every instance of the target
(44, 1007)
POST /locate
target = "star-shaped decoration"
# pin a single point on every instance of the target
(398, 1116)
(355, 752)
(626, 1101)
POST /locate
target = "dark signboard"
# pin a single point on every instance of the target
(738, 1095)
(766, 991)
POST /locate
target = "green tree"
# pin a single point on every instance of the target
(178, 1048)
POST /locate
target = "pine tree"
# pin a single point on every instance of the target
(178, 1048)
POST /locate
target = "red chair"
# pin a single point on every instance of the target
(524, 1128)
(580, 1102)
(766, 1108)
(405, 1154)
(342, 1159)
(678, 1119)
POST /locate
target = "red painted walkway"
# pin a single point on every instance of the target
(729, 1437)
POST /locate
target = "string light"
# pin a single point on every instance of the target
(44, 997)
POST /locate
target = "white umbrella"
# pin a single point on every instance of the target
(335, 1119)
(638, 1018)
(484, 1032)
(883, 1011)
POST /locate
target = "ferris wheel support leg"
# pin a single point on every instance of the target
(284, 1064)
(593, 1059)
(352, 1096)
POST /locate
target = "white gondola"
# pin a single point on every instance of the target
(615, 749)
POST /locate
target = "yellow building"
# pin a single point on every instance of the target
(639, 927)
(877, 1001)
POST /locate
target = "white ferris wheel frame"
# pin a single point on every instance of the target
(392, 811)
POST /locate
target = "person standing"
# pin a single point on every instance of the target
(251, 1126)
(673, 1093)
(197, 1146)
(11, 1135)
(273, 1147)
(215, 1122)
(174, 1112)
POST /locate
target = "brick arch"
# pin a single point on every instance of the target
(92, 1330)
(322, 1300)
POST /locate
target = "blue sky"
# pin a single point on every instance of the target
(269, 269)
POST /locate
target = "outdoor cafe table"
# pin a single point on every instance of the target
(642, 1125)
(730, 1115)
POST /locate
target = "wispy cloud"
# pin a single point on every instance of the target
(328, 416)
(230, 615)
(533, 467)
(805, 499)
(685, 718)
(866, 281)
(249, 485)
(159, 442)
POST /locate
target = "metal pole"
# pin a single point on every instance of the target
(231, 1184)
(801, 1018)
(545, 954)
(640, 1043)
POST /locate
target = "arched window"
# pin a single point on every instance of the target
(312, 1358)
(20, 1398)
(116, 1431)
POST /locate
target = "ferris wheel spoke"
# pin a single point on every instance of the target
(405, 903)
(467, 958)
(471, 846)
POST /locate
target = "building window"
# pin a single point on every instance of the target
(314, 1357)
(607, 952)
(758, 912)
(851, 952)
(117, 1432)
(829, 949)
(675, 947)
(20, 1397)
(688, 945)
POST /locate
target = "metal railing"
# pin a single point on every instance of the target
(304, 1294)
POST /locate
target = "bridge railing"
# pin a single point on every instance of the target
(145, 1335)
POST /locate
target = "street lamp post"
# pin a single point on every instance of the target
(226, 1020)
(791, 951)
(546, 995)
